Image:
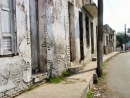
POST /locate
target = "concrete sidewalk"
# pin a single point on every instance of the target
(75, 86)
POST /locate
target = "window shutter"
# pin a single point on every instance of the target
(7, 28)
(14, 27)
(1, 38)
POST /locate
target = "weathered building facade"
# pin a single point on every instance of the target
(65, 33)
(15, 54)
(43, 38)
(109, 39)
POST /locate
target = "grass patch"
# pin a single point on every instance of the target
(89, 94)
(56, 80)
(104, 64)
(65, 73)
(102, 76)
(59, 79)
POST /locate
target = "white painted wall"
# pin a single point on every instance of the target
(58, 53)
(15, 72)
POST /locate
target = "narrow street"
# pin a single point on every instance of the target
(59, 48)
(116, 78)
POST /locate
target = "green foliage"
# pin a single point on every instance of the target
(56, 80)
(101, 77)
(89, 94)
(128, 30)
(121, 38)
(118, 44)
(104, 64)
(65, 73)
(59, 79)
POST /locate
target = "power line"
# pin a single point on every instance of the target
(112, 11)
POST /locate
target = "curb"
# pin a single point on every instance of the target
(89, 86)
(90, 82)
(111, 57)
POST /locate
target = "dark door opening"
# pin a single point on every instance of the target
(92, 39)
(71, 32)
(81, 36)
(87, 31)
(34, 37)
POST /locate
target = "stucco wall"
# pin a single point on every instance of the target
(58, 35)
(114, 41)
(15, 72)
(58, 52)
(87, 49)
(95, 36)
(110, 47)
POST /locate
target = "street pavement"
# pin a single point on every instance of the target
(118, 76)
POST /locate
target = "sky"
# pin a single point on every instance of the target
(116, 14)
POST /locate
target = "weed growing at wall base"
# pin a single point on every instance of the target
(90, 94)
(104, 64)
(102, 76)
(56, 80)
(59, 79)
(65, 73)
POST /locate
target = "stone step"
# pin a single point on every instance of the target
(75, 69)
(94, 59)
(38, 77)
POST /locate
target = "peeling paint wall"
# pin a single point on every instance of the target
(109, 39)
(57, 37)
(15, 72)
(52, 48)
(87, 49)
(95, 25)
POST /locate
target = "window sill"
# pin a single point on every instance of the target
(8, 54)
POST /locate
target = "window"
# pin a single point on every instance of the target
(7, 27)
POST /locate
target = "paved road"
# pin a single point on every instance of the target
(118, 76)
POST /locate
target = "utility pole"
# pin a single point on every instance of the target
(125, 37)
(100, 38)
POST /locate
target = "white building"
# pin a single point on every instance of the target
(15, 54)
(62, 32)
(42, 38)
(109, 39)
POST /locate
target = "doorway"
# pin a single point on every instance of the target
(92, 39)
(87, 31)
(34, 36)
(71, 32)
(38, 38)
(81, 36)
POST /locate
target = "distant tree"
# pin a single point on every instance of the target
(121, 38)
(128, 30)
